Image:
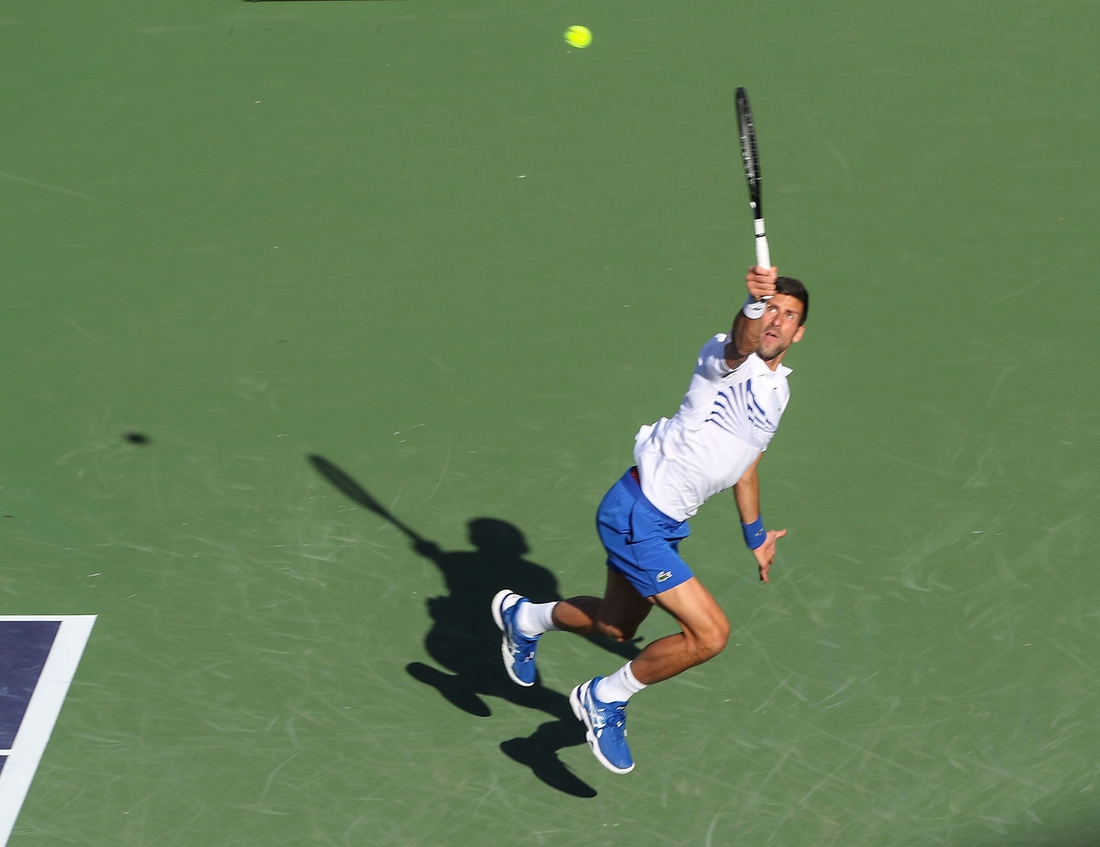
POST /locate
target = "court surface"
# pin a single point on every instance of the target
(323, 321)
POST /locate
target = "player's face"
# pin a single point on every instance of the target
(781, 329)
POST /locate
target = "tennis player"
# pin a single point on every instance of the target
(737, 394)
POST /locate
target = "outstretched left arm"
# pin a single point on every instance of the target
(746, 491)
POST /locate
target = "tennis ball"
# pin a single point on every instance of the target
(578, 36)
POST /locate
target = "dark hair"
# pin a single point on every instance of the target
(794, 288)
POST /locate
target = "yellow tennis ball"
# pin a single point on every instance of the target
(578, 36)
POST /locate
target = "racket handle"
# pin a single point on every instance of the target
(763, 257)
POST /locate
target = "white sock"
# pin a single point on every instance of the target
(535, 618)
(618, 687)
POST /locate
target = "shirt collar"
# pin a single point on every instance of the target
(760, 368)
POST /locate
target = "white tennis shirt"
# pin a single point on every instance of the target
(725, 421)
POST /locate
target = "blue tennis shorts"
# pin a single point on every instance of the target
(642, 542)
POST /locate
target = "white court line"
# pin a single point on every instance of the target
(42, 711)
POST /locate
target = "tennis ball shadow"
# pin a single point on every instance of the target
(136, 438)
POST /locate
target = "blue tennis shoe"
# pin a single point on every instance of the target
(606, 725)
(517, 650)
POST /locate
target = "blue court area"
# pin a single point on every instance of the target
(24, 646)
(38, 658)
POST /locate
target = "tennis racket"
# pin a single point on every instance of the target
(752, 175)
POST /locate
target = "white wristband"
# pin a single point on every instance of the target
(753, 309)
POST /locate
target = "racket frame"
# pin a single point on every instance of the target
(751, 158)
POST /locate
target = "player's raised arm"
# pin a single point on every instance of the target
(745, 335)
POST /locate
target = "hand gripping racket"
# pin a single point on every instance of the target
(752, 175)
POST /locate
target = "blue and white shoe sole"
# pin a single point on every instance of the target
(576, 697)
(505, 653)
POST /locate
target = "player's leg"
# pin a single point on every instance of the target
(600, 703)
(617, 615)
(644, 549)
(704, 633)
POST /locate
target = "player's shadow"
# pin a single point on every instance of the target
(465, 642)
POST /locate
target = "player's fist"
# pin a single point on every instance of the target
(765, 553)
(761, 282)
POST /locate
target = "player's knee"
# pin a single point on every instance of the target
(720, 637)
(712, 645)
(711, 639)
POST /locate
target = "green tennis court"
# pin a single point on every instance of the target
(267, 265)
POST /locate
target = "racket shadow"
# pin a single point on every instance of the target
(464, 642)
